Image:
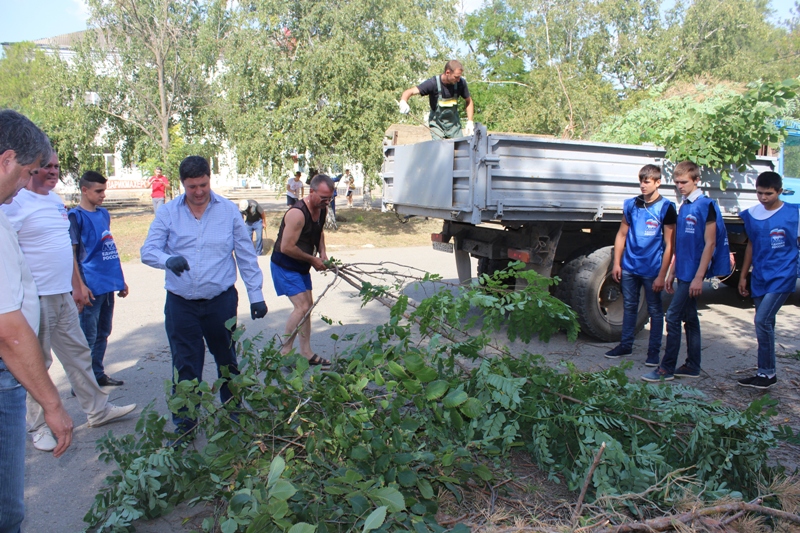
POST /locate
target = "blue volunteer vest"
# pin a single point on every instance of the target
(690, 241)
(774, 242)
(644, 244)
(98, 258)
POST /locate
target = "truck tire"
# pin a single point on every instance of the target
(490, 266)
(587, 287)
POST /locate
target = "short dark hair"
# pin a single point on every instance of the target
(298, 173)
(194, 166)
(89, 177)
(769, 180)
(319, 179)
(687, 168)
(650, 171)
(453, 65)
(159, 168)
(18, 133)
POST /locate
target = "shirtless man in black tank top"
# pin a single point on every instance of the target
(301, 245)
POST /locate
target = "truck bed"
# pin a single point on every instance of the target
(511, 178)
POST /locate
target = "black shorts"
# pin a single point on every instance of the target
(349, 193)
(290, 200)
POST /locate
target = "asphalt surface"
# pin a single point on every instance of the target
(58, 492)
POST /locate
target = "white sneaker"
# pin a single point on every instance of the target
(43, 440)
(112, 413)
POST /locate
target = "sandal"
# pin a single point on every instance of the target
(318, 361)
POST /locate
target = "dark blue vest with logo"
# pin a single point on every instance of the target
(690, 240)
(774, 243)
(644, 244)
(98, 258)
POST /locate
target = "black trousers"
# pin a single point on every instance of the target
(188, 323)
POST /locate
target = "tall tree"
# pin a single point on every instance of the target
(324, 77)
(150, 62)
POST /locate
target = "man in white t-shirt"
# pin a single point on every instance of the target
(23, 146)
(294, 189)
(40, 219)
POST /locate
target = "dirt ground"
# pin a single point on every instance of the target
(60, 491)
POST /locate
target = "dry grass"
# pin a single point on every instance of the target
(357, 229)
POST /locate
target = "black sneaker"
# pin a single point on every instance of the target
(759, 382)
(618, 352)
(652, 360)
(685, 372)
(108, 381)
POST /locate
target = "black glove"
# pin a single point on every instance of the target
(177, 264)
(258, 310)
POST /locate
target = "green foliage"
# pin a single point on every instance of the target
(369, 444)
(322, 78)
(523, 312)
(722, 133)
(562, 67)
(52, 95)
(159, 57)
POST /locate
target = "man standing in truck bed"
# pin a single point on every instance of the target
(443, 92)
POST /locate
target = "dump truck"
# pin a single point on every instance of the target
(551, 203)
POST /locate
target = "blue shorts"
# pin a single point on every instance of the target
(288, 282)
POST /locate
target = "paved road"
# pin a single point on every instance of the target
(60, 491)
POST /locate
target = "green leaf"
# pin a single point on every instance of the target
(282, 490)
(238, 502)
(276, 468)
(389, 497)
(455, 398)
(229, 526)
(436, 390)
(375, 519)
(425, 488)
(472, 408)
(302, 527)
(359, 453)
(483, 472)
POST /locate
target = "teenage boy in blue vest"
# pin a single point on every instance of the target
(695, 240)
(98, 261)
(642, 254)
(772, 232)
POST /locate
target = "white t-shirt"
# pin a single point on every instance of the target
(42, 227)
(294, 187)
(17, 289)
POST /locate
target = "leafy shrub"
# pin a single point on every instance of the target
(370, 444)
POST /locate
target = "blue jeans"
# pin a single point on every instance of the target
(631, 285)
(12, 452)
(767, 307)
(682, 309)
(96, 325)
(188, 322)
(256, 227)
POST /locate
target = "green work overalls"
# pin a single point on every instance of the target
(444, 120)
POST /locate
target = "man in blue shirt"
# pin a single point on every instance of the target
(195, 238)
